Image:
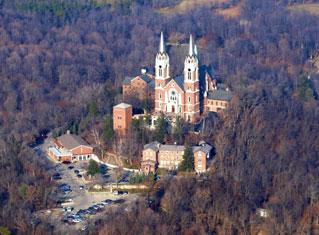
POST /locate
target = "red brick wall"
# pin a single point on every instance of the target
(122, 119)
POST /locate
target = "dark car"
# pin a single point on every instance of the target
(56, 177)
(76, 171)
(70, 167)
(79, 176)
(66, 162)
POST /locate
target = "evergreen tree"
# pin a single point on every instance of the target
(160, 129)
(93, 168)
(108, 131)
(179, 130)
(188, 160)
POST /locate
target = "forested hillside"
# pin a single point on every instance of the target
(62, 64)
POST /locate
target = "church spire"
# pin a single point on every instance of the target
(195, 50)
(191, 46)
(162, 45)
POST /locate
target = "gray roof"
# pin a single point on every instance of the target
(219, 94)
(127, 80)
(152, 84)
(206, 148)
(146, 77)
(123, 106)
(70, 141)
(180, 81)
(153, 145)
(171, 147)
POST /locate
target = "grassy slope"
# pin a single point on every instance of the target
(187, 5)
(312, 8)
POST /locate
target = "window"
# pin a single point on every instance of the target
(160, 71)
(160, 96)
(189, 74)
(119, 117)
(189, 99)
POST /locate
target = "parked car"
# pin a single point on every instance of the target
(76, 171)
(56, 177)
(100, 205)
(107, 202)
(81, 186)
(71, 167)
(66, 162)
(116, 192)
(79, 176)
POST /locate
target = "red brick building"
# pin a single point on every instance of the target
(156, 155)
(122, 118)
(69, 147)
(139, 89)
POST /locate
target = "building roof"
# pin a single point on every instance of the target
(145, 77)
(127, 80)
(171, 147)
(123, 106)
(152, 84)
(70, 141)
(206, 148)
(59, 152)
(219, 94)
(153, 145)
(180, 81)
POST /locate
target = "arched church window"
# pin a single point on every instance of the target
(189, 99)
(189, 74)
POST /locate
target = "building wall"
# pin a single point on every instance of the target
(149, 154)
(138, 89)
(122, 119)
(200, 159)
(148, 169)
(215, 105)
(170, 159)
(59, 158)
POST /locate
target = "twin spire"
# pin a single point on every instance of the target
(192, 49)
(162, 45)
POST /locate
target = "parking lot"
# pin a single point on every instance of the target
(77, 206)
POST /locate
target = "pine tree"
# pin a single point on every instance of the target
(93, 168)
(160, 129)
(188, 160)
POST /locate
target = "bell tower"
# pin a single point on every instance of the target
(191, 84)
(161, 75)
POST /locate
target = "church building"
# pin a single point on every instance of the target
(179, 95)
(184, 95)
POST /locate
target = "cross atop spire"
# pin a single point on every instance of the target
(191, 46)
(162, 45)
